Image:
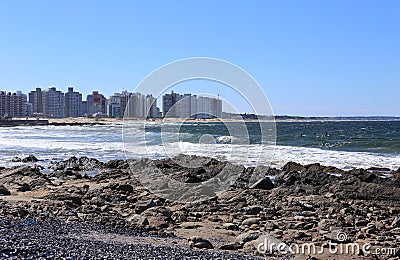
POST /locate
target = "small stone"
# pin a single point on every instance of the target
(125, 187)
(190, 225)
(24, 187)
(249, 236)
(200, 242)
(361, 223)
(232, 246)
(250, 221)
(138, 220)
(396, 222)
(229, 226)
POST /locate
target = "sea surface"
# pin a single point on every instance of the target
(345, 144)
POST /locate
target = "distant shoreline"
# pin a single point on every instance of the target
(104, 121)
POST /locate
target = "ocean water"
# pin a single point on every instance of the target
(345, 144)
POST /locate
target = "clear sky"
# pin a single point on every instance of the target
(310, 57)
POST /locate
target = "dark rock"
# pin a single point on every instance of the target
(4, 191)
(396, 222)
(125, 187)
(263, 184)
(252, 210)
(79, 164)
(117, 164)
(315, 167)
(30, 158)
(141, 206)
(332, 169)
(315, 179)
(232, 246)
(24, 187)
(200, 242)
(292, 167)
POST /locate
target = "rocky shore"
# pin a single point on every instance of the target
(84, 208)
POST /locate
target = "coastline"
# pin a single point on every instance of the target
(303, 203)
(104, 121)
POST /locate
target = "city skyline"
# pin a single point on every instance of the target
(53, 103)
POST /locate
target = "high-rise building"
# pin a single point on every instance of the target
(191, 106)
(168, 104)
(114, 105)
(84, 107)
(36, 99)
(151, 110)
(135, 105)
(73, 103)
(96, 103)
(12, 104)
(53, 103)
(27, 109)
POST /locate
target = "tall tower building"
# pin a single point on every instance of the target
(53, 103)
(96, 103)
(36, 99)
(12, 104)
(73, 103)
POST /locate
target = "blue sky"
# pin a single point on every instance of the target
(310, 57)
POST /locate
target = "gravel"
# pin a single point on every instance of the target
(29, 239)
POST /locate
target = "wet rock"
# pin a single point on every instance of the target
(30, 158)
(200, 242)
(4, 191)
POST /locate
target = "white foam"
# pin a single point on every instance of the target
(106, 142)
